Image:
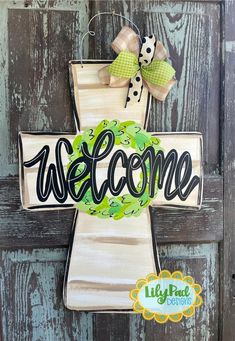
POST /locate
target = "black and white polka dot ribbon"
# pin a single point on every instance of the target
(145, 58)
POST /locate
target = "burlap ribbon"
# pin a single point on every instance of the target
(138, 67)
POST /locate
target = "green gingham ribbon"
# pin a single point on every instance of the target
(126, 65)
(139, 65)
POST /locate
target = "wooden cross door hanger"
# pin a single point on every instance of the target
(110, 171)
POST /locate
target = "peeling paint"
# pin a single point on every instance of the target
(31, 280)
(230, 46)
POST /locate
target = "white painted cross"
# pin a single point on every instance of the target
(107, 256)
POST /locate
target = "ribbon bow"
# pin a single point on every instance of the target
(139, 66)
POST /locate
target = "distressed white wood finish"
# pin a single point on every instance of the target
(29, 146)
(106, 260)
(106, 257)
(51, 31)
(96, 102)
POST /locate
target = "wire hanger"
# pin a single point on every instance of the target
(92, 33)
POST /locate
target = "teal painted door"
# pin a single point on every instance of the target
(37, 40)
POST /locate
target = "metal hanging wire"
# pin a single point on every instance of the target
(92, 33)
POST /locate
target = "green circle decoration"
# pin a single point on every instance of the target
(128, 134)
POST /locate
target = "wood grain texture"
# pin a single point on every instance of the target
(112, 327)
(32, 282)
(47, 27)
(123, 251)
(6, 166)
(96, 102)
(38, 75)
(22, 228)
(193, 260)
(193, 103)
(31, 298)
(191, 31)
(185, 107)
(204, 225)
(31, 144)
(228, 250)
(200, 261)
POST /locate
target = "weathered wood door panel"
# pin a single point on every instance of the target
(32, 306)
(37, 40)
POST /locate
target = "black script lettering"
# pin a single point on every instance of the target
(134, 166)
(119, 154)
(72, 178)
(182, 181)
(54, 172)
(160, 165)
(107, 135)
(164, 171)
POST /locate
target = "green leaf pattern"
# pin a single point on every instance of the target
(128, 134)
